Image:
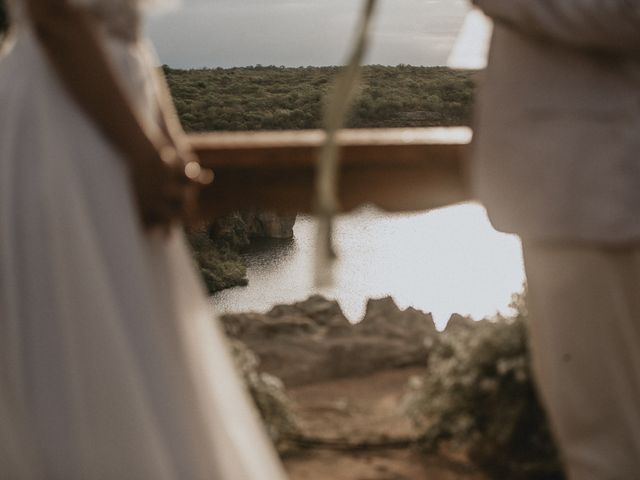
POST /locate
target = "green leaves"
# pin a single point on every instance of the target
(479, 393)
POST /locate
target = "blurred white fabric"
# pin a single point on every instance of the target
(111, 364)
(471, 49)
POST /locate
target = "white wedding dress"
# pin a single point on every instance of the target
(111, 365)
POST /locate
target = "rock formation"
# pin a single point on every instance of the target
(268, 224)
(237, 229)
(458, 322)
(312, 341)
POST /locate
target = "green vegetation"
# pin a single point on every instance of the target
(478, 392)
(270, 397)
(277, 98)
(217, 254)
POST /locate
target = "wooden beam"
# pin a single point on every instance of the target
(395, 169)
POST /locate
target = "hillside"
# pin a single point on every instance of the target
(278, 98)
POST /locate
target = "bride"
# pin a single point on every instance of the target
(110, 364)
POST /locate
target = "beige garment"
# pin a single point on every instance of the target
(585, 338)
(558, 116)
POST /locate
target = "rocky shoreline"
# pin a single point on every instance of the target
(217, 247)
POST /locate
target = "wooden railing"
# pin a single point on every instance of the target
(395, 169)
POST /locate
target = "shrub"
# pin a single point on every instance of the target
(220, 264)
(269, 396)
(478, 393)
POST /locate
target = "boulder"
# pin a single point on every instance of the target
(384, 318)
(258, 327)
(312, 341)
(268, 224)
(458, 323)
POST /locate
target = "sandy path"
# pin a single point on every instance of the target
(365, 409)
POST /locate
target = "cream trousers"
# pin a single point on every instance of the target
(585, 341)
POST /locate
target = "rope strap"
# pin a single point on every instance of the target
(338, 106)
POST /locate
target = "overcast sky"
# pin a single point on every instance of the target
(211, 33)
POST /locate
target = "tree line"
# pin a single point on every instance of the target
(277, 98)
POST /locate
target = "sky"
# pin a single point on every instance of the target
(227, 33)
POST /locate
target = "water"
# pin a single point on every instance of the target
(445, 261)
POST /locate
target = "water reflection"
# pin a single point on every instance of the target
(444, 261)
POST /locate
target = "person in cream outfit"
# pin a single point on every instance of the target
(556, 159)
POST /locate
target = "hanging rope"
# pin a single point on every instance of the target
(337, 108)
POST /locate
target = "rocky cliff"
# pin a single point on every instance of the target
(269, 224)
(312, 341)
(216, 247)
(239, 228)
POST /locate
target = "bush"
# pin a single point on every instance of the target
(219, 262)
(269, 396)
(478, 393)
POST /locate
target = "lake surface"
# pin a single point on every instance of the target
(444, 261)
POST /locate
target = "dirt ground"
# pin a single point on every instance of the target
(343, 414)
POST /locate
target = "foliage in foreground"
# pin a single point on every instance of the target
(269, 396)
(478, 393)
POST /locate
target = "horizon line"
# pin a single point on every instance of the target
(259, 65)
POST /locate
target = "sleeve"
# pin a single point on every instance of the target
(610, 25)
